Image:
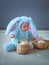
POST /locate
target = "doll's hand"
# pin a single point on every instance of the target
(12, 36)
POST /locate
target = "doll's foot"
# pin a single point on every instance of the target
(9, 47)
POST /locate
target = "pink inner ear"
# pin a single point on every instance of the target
(33, 33)
(13, 27)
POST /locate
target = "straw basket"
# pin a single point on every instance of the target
(23, 49)
(41, 45)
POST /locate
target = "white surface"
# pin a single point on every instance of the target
(41, 41)
(36, 57)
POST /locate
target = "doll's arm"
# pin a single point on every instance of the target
(13, 34)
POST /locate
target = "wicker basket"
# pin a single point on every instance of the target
(23, 49)
(39, 45)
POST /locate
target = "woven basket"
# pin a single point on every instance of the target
(39, 45)
(23, 49)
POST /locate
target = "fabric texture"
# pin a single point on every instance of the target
(14, 28)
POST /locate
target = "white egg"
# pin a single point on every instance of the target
(41, 41)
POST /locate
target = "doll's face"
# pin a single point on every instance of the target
(25, 26)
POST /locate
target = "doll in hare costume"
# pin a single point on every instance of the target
(20, 28)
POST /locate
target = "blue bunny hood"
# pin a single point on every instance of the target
(13, 23)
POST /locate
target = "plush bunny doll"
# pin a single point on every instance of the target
(20, 28)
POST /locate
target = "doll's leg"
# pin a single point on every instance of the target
(9, 47)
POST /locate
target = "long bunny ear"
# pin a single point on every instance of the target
(12, 25)
(33, 28)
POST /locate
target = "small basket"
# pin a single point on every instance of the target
(39, 45)
(23, 49)
(47, 41)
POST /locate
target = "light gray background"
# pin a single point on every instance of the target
(37, 9)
